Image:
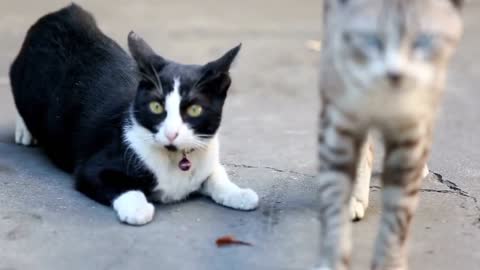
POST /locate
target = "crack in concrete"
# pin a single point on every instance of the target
(453, 188)
(457, 190)
(245, 166)
(426, 190)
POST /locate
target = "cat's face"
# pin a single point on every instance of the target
(179, 106)
(396, 45)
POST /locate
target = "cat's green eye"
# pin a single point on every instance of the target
(156, 107)
(194, 110)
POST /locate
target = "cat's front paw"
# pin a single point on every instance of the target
(242, 199)
(133, 208)
(357, 209)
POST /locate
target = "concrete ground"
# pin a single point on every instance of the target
(268, 143)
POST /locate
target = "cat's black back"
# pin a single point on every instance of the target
(72, 85)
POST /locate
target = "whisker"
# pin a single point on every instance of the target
(195, 145)
(159, 83)
(200, 144)
(146, 76)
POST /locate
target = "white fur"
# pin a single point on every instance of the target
(323, 268)
(22, 134)
(174, 184)
(133, 208)
(425, 171)
(361, 188)
(226, 193)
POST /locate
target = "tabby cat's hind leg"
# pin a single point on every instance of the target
(22, 134)
(361, 188)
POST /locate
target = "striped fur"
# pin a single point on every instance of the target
(384, 64)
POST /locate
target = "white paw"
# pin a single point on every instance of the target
(425, 171)
(357, 209)
(22, 134)
(322, 268)
(242, 199)
(133, 208)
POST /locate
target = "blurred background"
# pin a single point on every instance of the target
(268, 143)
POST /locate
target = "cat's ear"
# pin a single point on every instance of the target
(216, 73)
(147, 60)
(222, 64)
(334, 4)
(458, 3)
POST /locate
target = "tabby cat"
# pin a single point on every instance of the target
(384, 64)
(132, 130)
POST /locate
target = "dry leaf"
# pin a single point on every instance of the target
(229, 240)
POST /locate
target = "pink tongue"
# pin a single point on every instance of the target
(184, 164)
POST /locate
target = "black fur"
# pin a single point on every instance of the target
(76, 88)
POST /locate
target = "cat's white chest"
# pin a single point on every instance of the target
(174, 184)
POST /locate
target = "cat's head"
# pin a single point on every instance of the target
(179, 106)
(394, 45)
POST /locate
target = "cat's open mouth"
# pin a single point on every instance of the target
(171, 148)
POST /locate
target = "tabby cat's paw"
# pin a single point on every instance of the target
(322, 268)
(242, 199)
(133, 208)
(425, 171)
(357, 209)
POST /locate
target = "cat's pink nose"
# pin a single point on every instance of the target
(171, 136)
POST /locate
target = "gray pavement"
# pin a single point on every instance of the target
(268, 143)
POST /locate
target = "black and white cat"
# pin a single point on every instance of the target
(133, 131)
